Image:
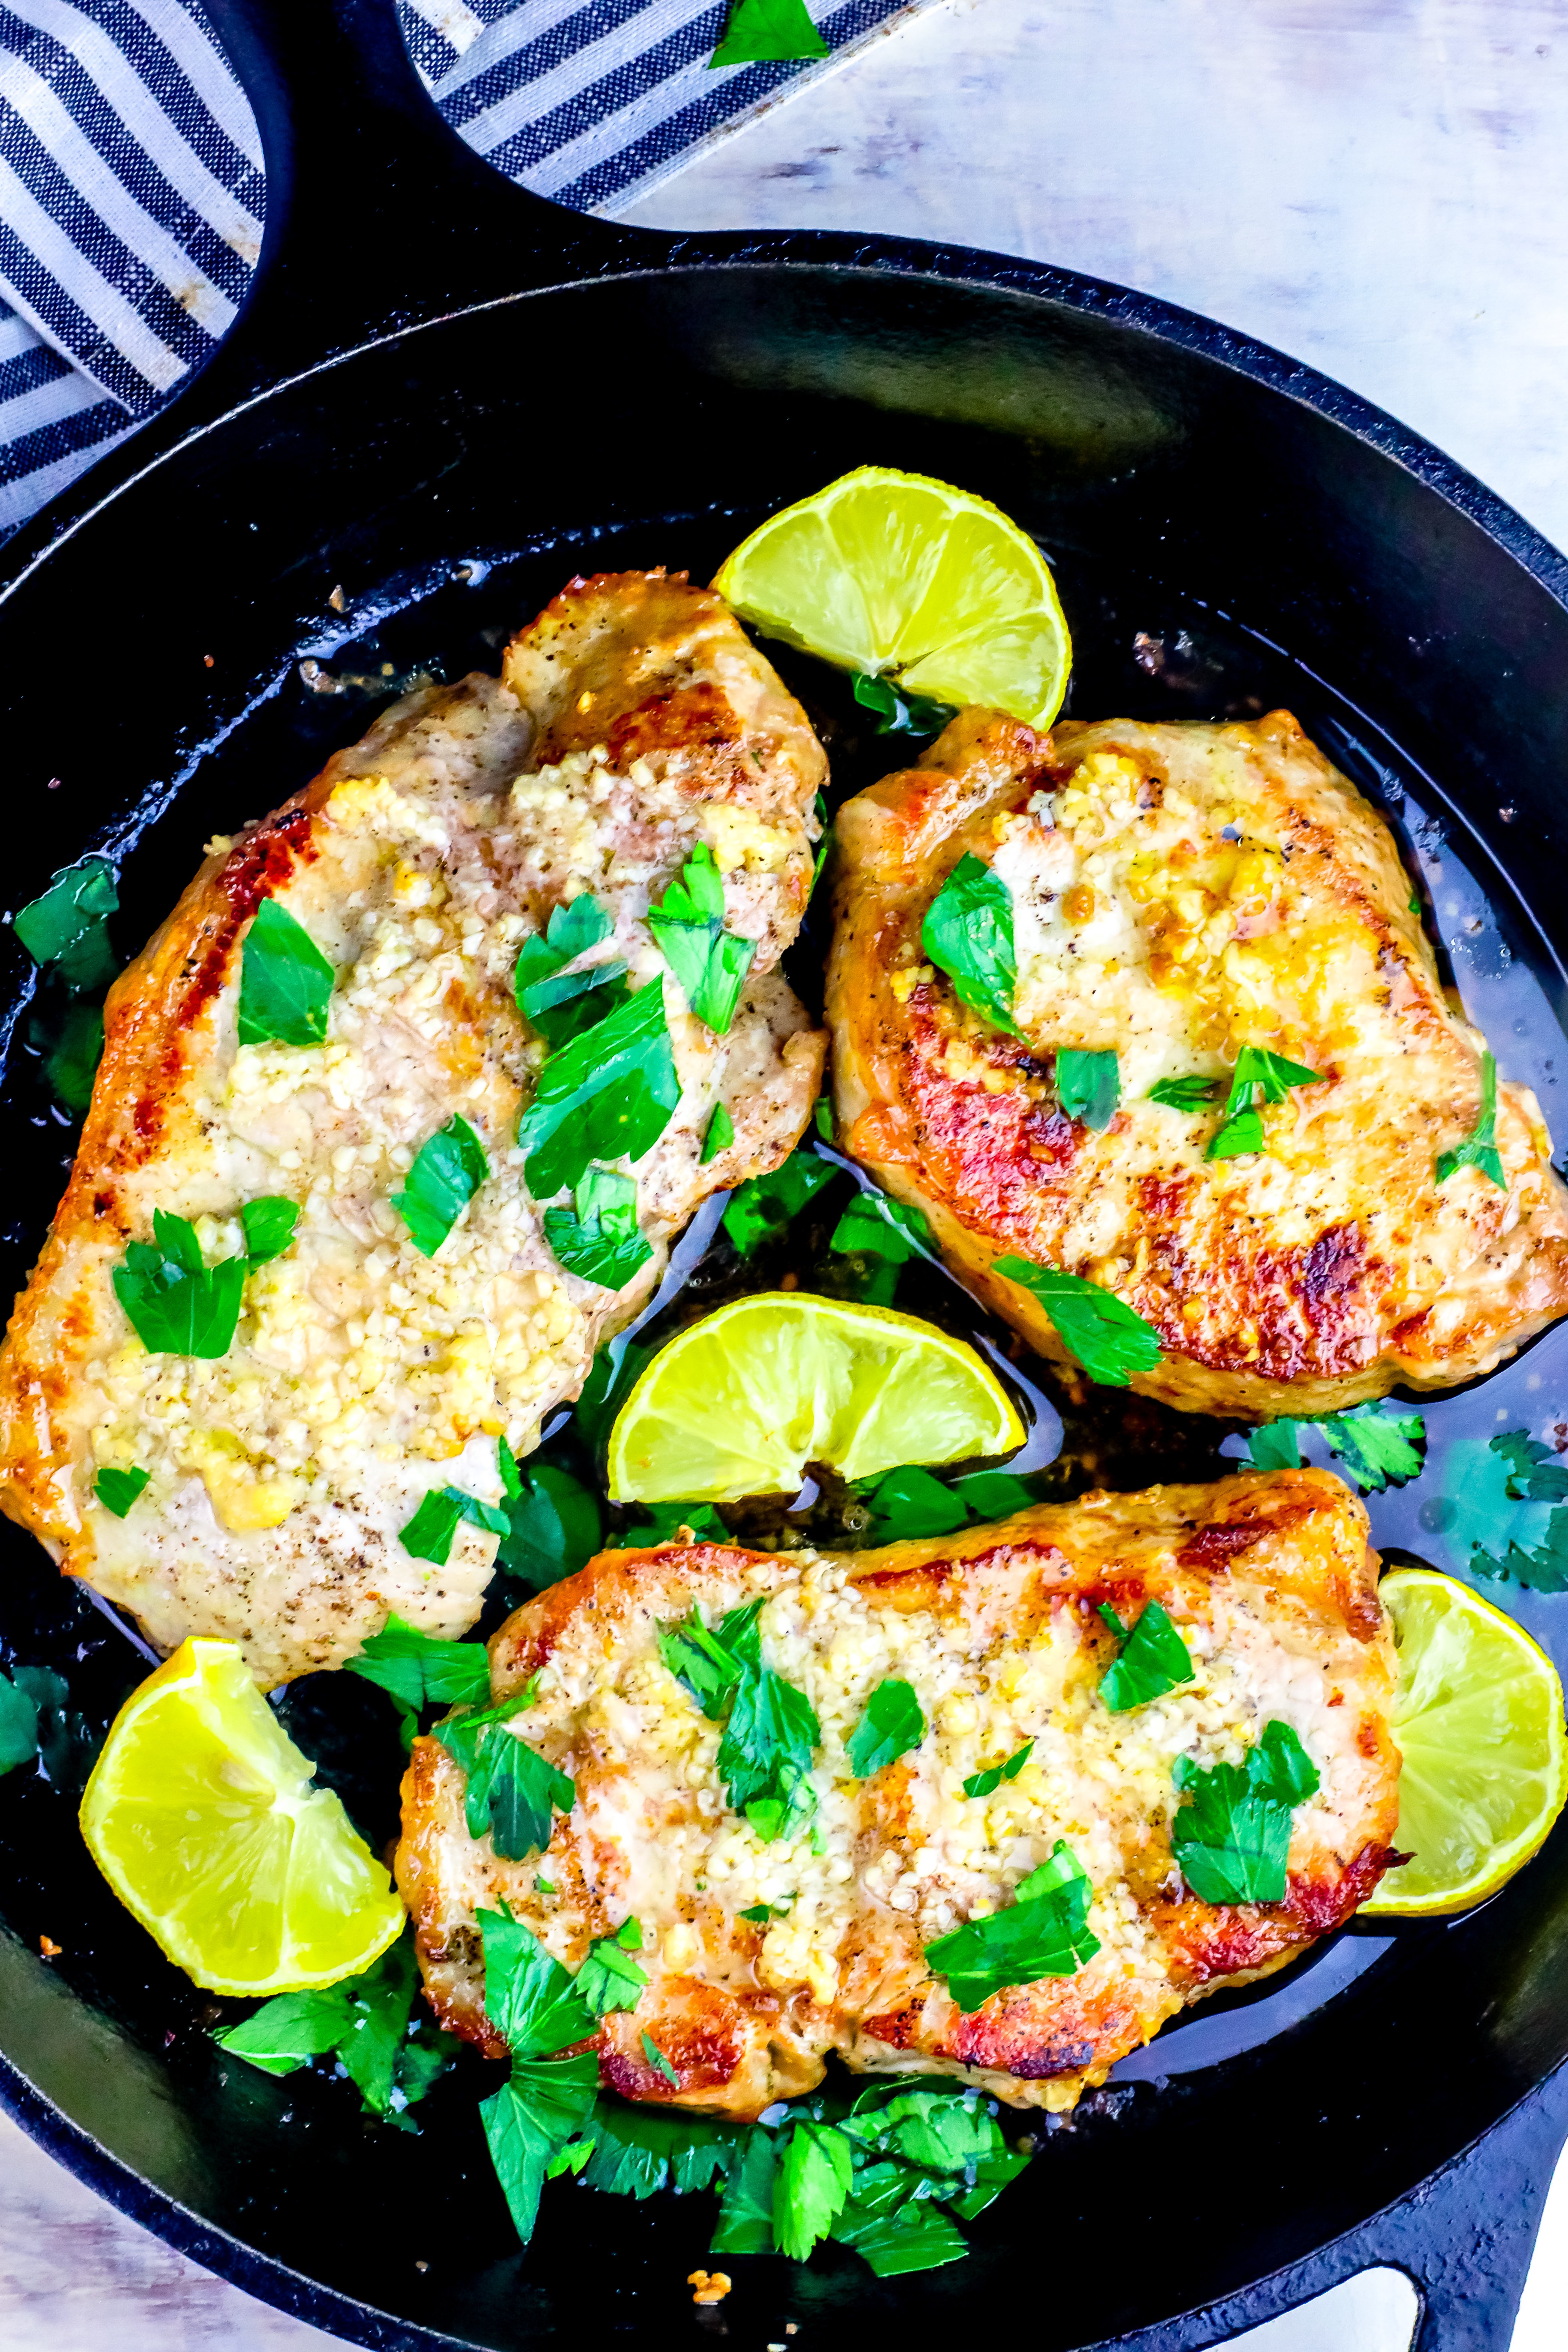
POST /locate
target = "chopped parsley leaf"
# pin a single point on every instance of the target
(285, 981)
(598, 1237)
(709, 963)
(762, 1208)
(1189, 1094)
(768, 32)
(560, 1003)
(428, 1534)
(513, 1792)
(882, 1227)
(609, 1094)
(1110, 1339)
(178, 1306)
(1478, 1149)
(1153, 1660)
(656, 2058)
(1044, 1932)
(909, 1503)
(1273, 1446)
(1089, 1086)
(1232, 1833)
(1260, 1077)
(637, 2149)
(720, 1134)
(118, 1489)
(447, 1170)
(1378, 1449)
(609, 1977)
(67, 925)
(268, 1225)
(896, 712)
(987, 1783)
(892, 1724)
(18, 1720)
(418, 1670)
(968, 934)
(554, 1526)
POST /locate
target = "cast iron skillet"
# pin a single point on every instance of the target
(444, 398)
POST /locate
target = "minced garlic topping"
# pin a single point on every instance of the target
(652, 1805)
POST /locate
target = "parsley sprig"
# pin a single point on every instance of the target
(1110, 1339)
(709, 963)
(1154, 1659)
(1478, 1149)
(1260, 1077)
(365, 2025)
(418, 1670)
(1530, 1475)
(537, 2006)
(770, 1730)
(180, 1305)
(1044, 1932)
(968, 933)
(1378, 1449)
(1232, 1833)
(887, 2179)
(513, 1792)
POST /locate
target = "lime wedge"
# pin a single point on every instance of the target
(741, 1402)
(908, 578)
(1478, 1719)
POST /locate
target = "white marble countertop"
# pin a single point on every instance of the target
(1377, 186)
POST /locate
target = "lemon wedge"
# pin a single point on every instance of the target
(201, 1814)
(1478, 1719)
(741, 1401)
(908, 578)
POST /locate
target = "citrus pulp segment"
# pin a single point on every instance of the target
(741, 1401)
(1478, 1719)
(905, 577)
(201, 1814)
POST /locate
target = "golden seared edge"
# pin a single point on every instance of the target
(363, 1374)
(1273, 1585)
(1181, 892)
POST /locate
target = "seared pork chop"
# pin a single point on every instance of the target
(363, 1373)
(763, 1956)
(1179, 893)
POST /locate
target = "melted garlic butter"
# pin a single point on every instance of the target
(654, 1799)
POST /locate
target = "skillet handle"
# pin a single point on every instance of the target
(378, 216)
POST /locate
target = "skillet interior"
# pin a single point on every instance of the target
(449, 483)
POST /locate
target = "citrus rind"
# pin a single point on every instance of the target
(1479, 1725)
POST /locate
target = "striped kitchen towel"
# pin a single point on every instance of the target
(132, 195)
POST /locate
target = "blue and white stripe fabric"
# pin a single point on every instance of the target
(132, 194)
